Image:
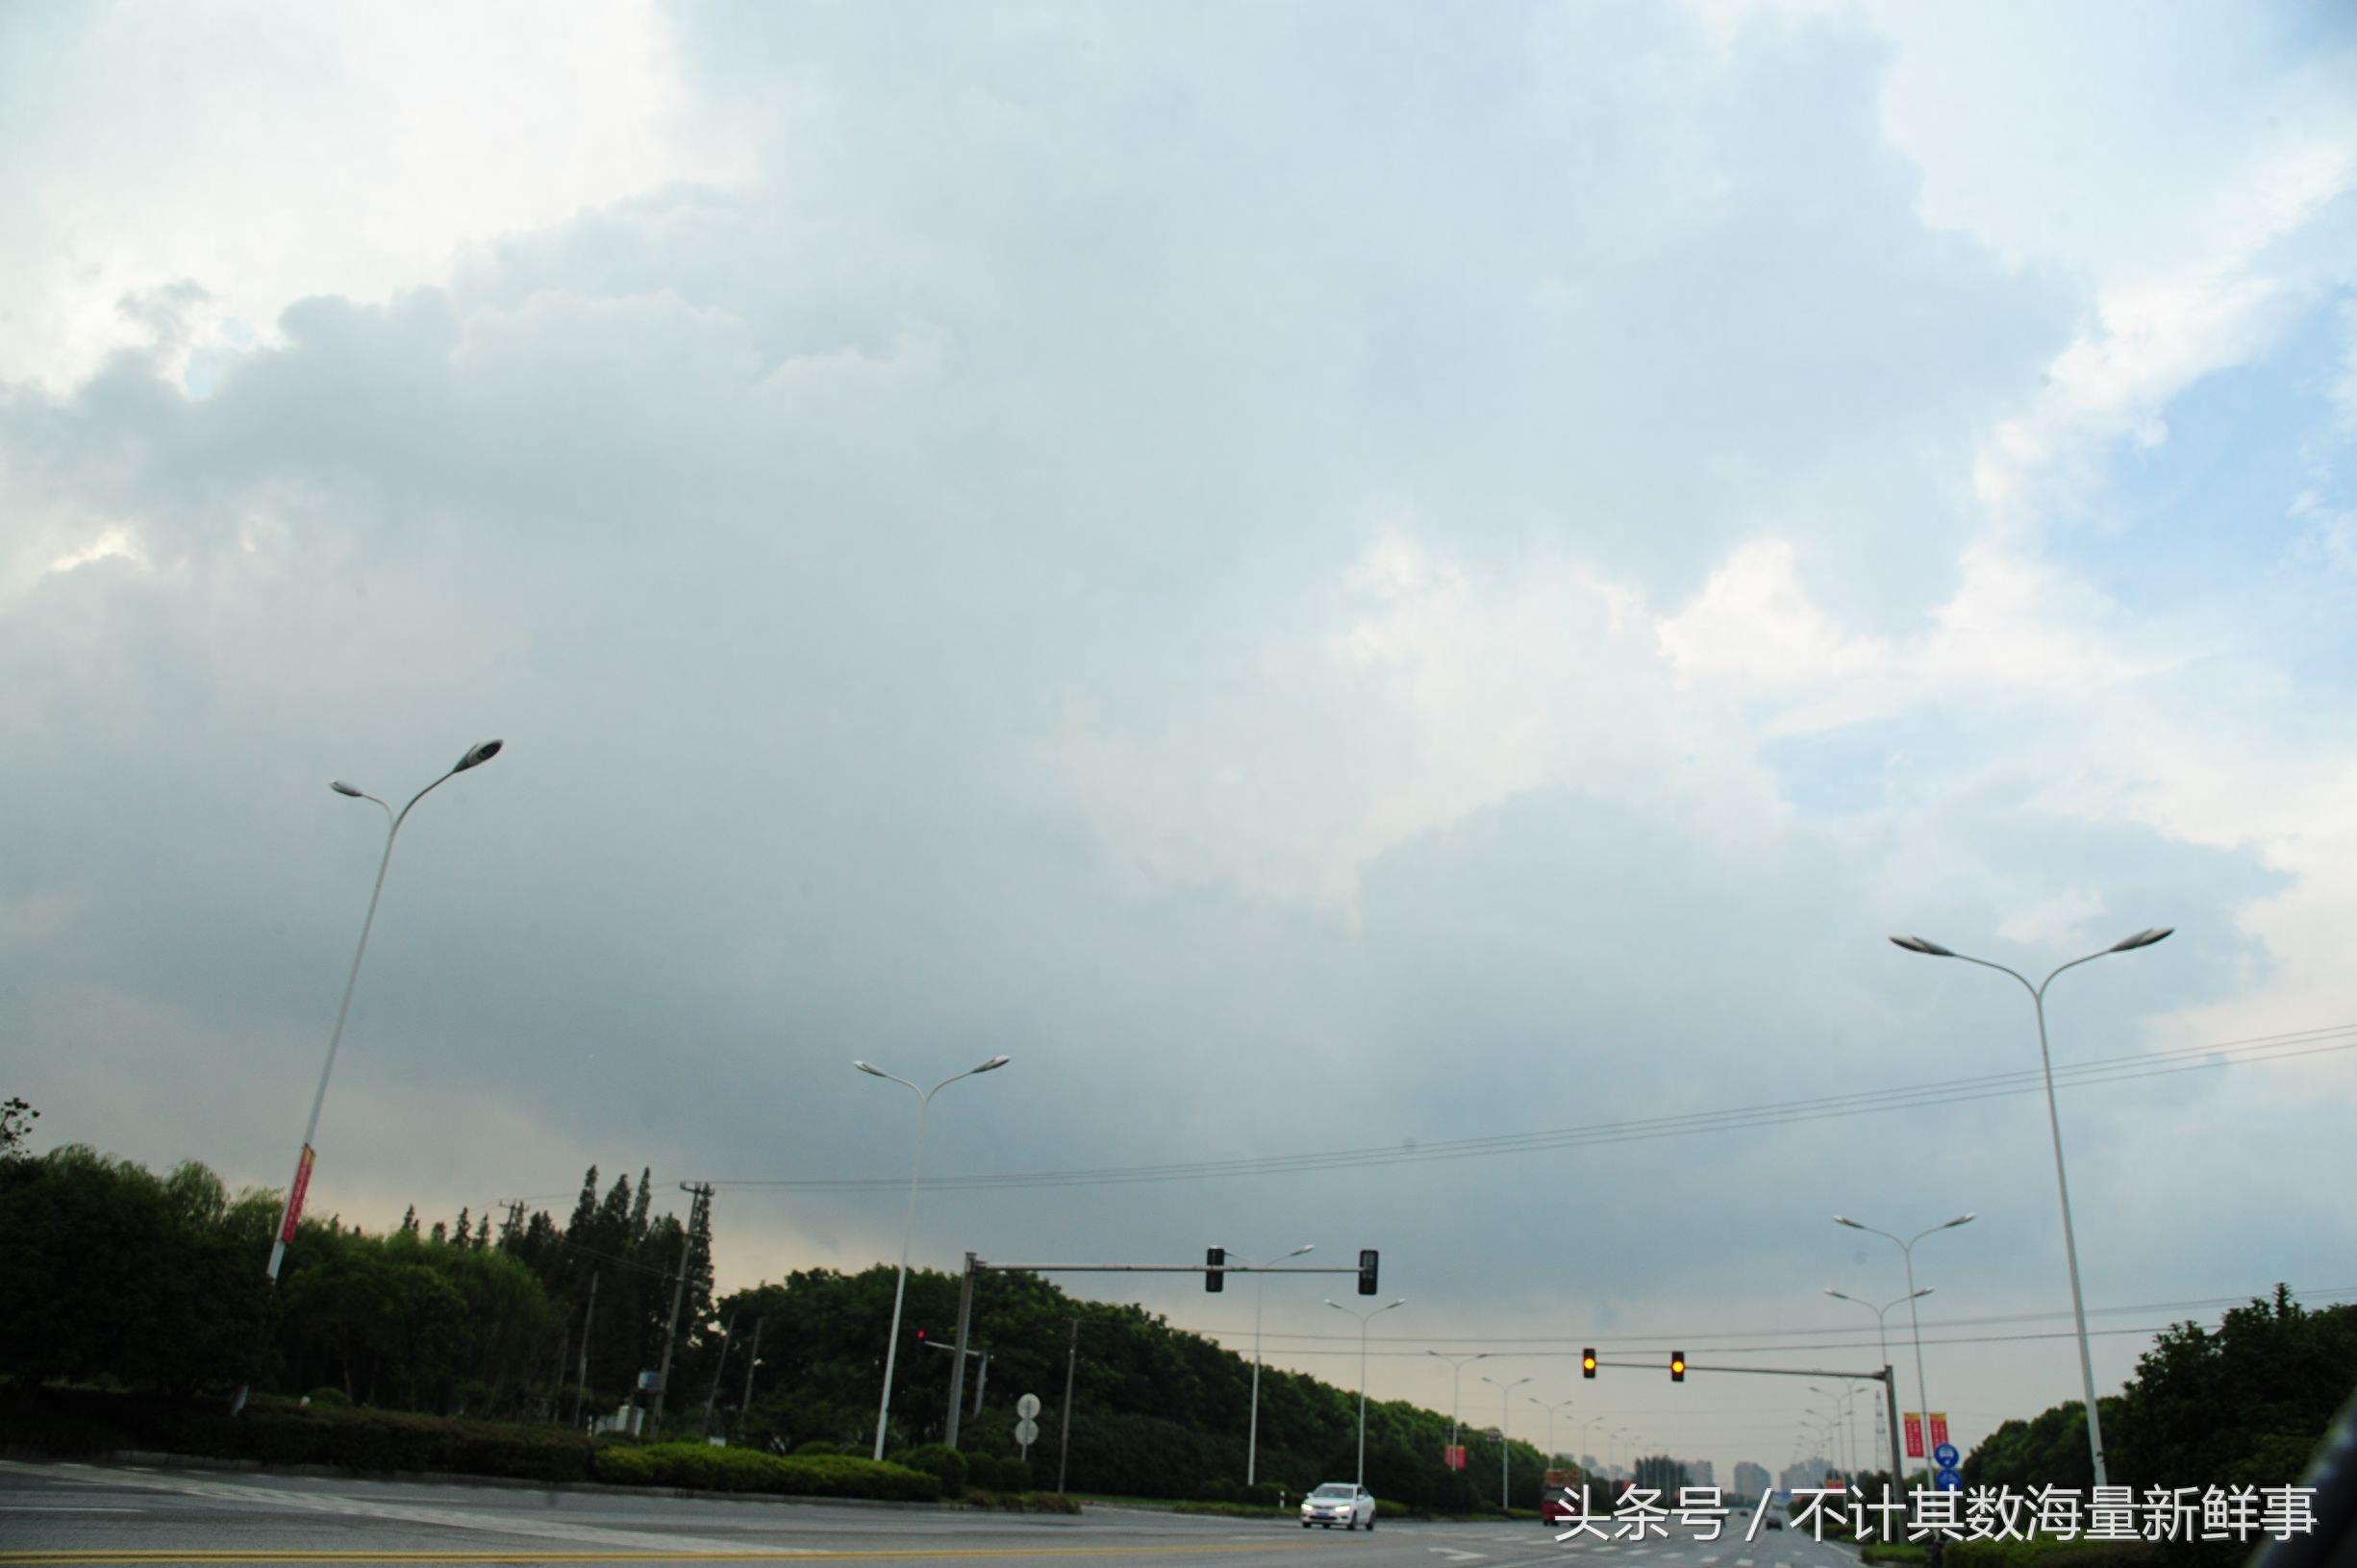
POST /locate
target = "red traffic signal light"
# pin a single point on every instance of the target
(1677, 1366)
(1588, 1362)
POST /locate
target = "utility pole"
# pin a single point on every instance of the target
(957, 1372)
(750, 1362)
(1064, 1444)
(586, 1318)
(696, 1211)
(728, 1337)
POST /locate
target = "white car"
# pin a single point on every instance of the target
(1339, 1503)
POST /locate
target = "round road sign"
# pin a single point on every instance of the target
(1029, 1405)
(1944, 1456)
(1027, 1432)
(1948, 1480)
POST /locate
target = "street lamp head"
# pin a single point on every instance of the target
(1337, 1306)
(342, 789)
(1844, 1219)
(2143, 938)
(870, 1069)
(1961, 1219)
(1917, 944)
(1925, 1291)
(993, 1064)
(478, 754)
(1308, 1247)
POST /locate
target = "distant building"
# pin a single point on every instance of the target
(1750, 1479)
(1698, 1473)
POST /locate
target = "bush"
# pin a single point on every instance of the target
(819, 1445)
(1218, 1489)
(703, 1468)
(1266, 1494)
(1010, 1474)
(332, 1396)
(1024, 1501)
(275, 1431)
(946, 1465)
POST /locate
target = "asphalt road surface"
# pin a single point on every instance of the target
(104, 1514)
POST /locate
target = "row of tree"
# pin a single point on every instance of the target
(119, 1276)
(2241, 1404)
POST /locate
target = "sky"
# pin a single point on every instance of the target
(1324, 577)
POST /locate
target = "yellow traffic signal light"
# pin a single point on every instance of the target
(1677, 1366)
(1587, 1363)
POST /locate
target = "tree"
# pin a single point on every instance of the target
(17, 1119)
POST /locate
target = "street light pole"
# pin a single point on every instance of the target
(1914, 1320)
(1882, 1335)
(907, 1229)
(1504, 1448)
(476, 755)
(1364, 1318)
(1260, 1294)
(1456, 1370)
(1550, 1422)
(2054, 1123)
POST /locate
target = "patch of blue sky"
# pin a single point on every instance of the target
(1859, 768)
(2219, 524)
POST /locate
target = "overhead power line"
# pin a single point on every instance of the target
(2259, 1049)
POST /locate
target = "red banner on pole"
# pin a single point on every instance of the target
(294, 1198)
(1938, 1427)
(1915, 1435)
(1452, 1455)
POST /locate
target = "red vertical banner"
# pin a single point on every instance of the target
(294, 1198)
(1915, 1435)
(1938, 1427)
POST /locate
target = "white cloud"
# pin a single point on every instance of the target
(253, 153)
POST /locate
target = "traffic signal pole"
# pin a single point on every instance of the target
(1890, 1389)
(1364, 1269)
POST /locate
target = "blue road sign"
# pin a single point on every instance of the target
(1948, 1480)
(1944, 1456)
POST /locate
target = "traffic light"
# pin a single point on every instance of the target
(1588, 1362)
(1215, 1269)
(1677, 1366)
(1366, 1272)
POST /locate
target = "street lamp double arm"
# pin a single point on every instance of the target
(900, 1287)
(1364, 1318)
(1456, 1370)
(1504, 1448)
(1906, 1247)
(2054, 1124)
(476, 755)
(1260, 1295)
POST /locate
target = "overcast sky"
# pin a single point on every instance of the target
(1324, 577)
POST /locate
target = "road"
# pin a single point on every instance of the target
(106, 1515)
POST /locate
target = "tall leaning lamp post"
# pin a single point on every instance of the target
(1364, 1318)
(1260, 1294)
(1456, 1382)
(2054, 1123)
(900, 1287)
(476, 755)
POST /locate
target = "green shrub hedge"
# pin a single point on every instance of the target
(706, 1468)
(89, 1421)
(944, 1464)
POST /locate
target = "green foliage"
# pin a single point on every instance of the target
(2049, 1551)
(945, 1465)
(17, 1119)
(113, 1271)
(2244, 1403)
(277, 1432)
(703, 1468)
